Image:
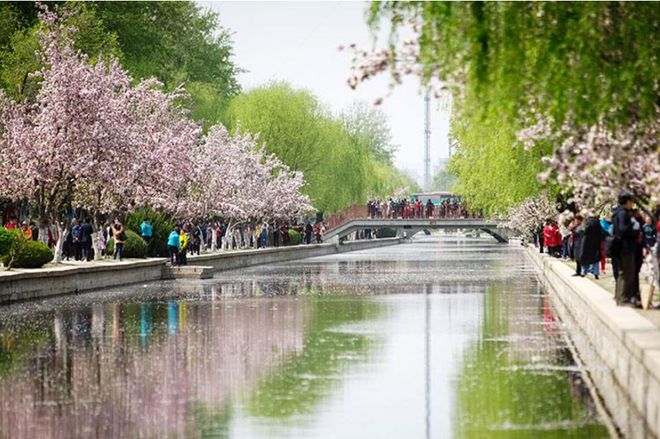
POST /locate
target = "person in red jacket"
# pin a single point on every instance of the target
(552, 237)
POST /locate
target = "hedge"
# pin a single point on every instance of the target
(161, 223)
(7, 237)
(32, 254)
(134, 246)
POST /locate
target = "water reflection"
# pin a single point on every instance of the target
(435, 339)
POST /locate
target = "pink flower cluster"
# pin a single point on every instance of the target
(233, 178)
(531, 213)
(595, 163)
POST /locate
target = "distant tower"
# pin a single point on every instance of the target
(427, 141)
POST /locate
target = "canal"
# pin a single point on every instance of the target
(442, 337)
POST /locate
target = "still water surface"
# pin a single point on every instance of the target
(439, 338)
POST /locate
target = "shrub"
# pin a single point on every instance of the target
(7, 237)
(29, 254)
(134, 246)
(294, 237)
(162, 225)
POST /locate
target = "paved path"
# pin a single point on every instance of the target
(606, 281)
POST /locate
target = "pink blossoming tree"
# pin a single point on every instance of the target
(90, 140)
(235, 180)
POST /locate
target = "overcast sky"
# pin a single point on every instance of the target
(297, 42)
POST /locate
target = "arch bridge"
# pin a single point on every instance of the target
(414, 225)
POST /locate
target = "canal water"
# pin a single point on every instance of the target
(440, 338)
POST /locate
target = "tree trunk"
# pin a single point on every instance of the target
(213, 240)
(61, 237)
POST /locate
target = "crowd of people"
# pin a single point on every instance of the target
(401, 208)
(626, 236)
(188, 238)
(184, 239)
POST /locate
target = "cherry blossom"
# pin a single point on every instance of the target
(532, 213)
(595, 163)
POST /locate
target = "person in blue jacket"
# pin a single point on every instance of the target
(173, 244)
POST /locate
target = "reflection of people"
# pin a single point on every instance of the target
(145, 323)
(172, 317)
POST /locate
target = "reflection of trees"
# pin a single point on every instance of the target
(148, 370)
(308, 375)
(501, 393)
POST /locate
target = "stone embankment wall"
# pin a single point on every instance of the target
(23, 285)
(619, 347)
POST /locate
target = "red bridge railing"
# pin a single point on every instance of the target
(356, 211)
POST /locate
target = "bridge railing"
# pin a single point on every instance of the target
(356, 211)
(359, 211)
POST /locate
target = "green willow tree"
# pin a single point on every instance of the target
(344, 159)
(506, 63)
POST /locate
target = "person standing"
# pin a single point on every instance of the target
(183, 246)
(173, 243)
(12, 224)
(606, 225)
(574, 243)
(429, 208)
(75, 235)
(551, 237)
(625, 244)
(27, 231)
(591, 247)
(308, 233)
(86, 231)
(119, 235)
(565, 234)
(147, 233)
(276, 235)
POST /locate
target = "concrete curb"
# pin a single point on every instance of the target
(21, 285)
(620, 347)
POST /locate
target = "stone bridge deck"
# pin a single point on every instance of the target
(417, 224)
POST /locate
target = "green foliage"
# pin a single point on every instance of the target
(162, 225)
(294, 237)
(27, 254)
(493, 170)
(134, 246)
(496, 385)
(184, 45)
(345, 160)
(7, 237)
(304, 379)
(578, 62)
(19, 55)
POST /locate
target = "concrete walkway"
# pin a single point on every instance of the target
(607, 283)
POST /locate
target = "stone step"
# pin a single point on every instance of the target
(188, 272)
